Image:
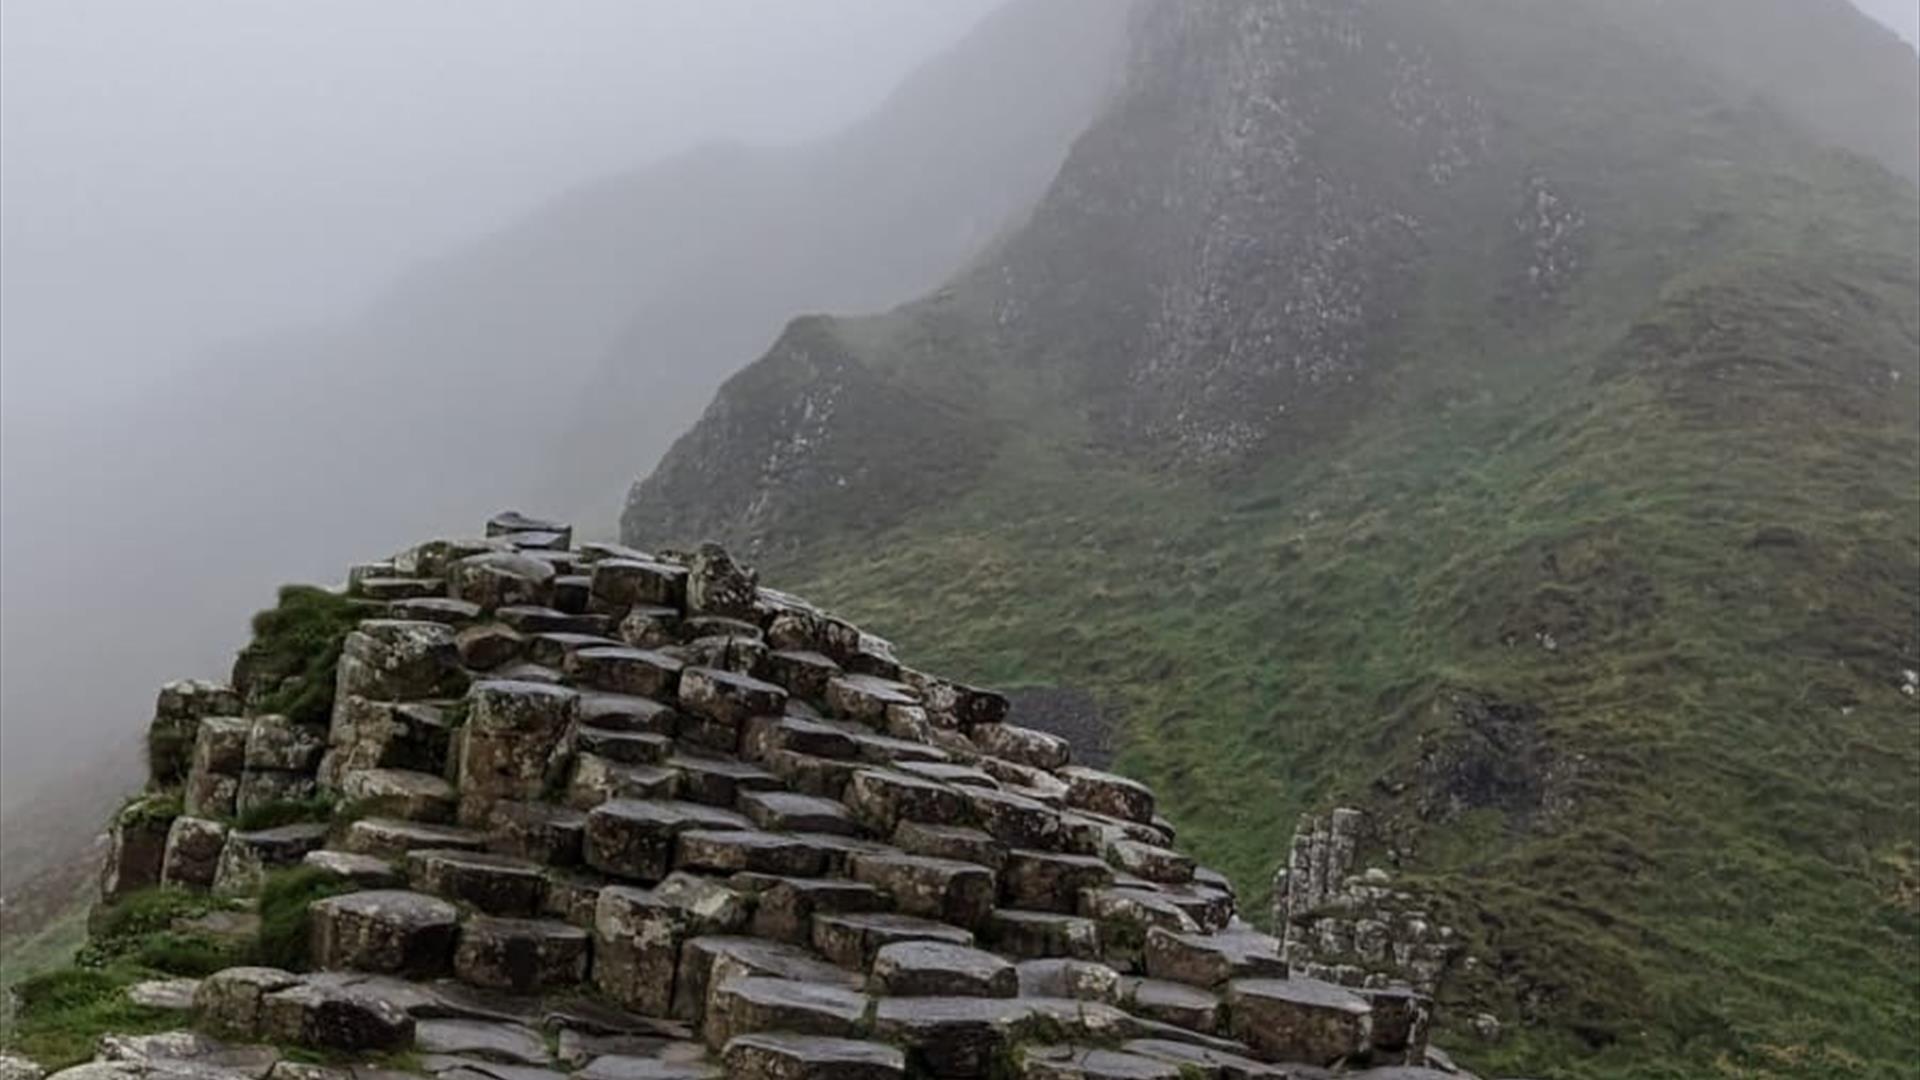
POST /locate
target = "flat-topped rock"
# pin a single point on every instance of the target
(1139, 910)
(957, 842)
(782, 1056)
(1299, 1019)
(364, 871)
(731, 851)
(624, 747)
(523, 955)
(757, 1003)
(727, 699)
(1106, 793)
(228, 1001)
(638, 933)
(542, 619)
(1172, 1003)
(1063, 977)
(333, 1017)
(626, 712)
(497, 579)
(706, 777)
(941, 969)
(553, 648)
(415, 796)
(1150, 861)
(851, 938)
(391, 838)
(882, 798)
(765, 734)
(1207, 1061)
(714, 958)
(618, 669)
(597, 780)
(1022, 745)
(496, 884)
(431, 608)
(1084, 1063)
(866, 698)
(788, 811)
(634, 838)
(540, 832)
(965, 1036)
(505, 1043)
(1050, 881)
(784, 907)
(191, 858)
(1015, 819)
(386, 931)
(623, 583)
(246, 857)
(1207, 960)
(960, 893)
(1042, 935)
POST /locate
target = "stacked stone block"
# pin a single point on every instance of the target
(749, 829)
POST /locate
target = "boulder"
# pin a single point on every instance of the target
(637, 934)
(229, 1001)
(1105, 793)
(757, 1003)
(498, 579)
(327, 1016)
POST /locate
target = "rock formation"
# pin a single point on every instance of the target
(633, 814)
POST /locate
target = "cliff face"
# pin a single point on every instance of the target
(1495, 417)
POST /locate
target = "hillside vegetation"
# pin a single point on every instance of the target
(1589, 564)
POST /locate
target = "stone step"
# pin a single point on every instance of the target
(787, 1056)
(1302, 1020)
(401, 793)
(620, 669)
(1081, 980)
(363, 871)
(597, 780)
(522, 955)
(1021, 745)
(391, 838)
(496, 1041)
(627, 712)
(541, 832)
(719, 781)
(384, 931)
(715, 958)
(940, 969)
(882, 798)
(1092, 1063)
(248, 856)
(956, 842)
(539, 619)
(1206, 1062)
(553, 648)
(732, 851)
(1172, 1003)
(634, 838)
(851, 938)
(624, 747)
(756, 1003)
(1049, 881)
(960, 893)
(495, 884)
(969, 1036)
(1015, 820)
(1041, 935)
(1207, 960)
(787, 811)
(784, 907)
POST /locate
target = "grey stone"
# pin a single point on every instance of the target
(136, 847)
(386, 931)
(1047, 881)
(523, 955)
(851, 938)
(1082, 1063)
(1173, 1003)
(882, 798)
(229, 1001)
(172, 995)
(328, 1016)
(246, 857)
(597, 780)
(415, 796)
(756, 1003)
(493, 883)
(1025, 746)
(784, 907)
(390, 838)
(192, 858)
(1081, 980)
(790, 812)
(1300, 1020)
(616, 669)
(709, 959)
(960, 893)
(365, 871)
(507, 1044)
(499, 579)
(625, 583)
(1042, 935)
(728, 851)
(633, 838)
(1205, 1061)
(637, 934)
(275, 742)
(782, 1056)
(941, 969)
(512, 745)
(950, 842)
(1105, 793)
(1212, 959)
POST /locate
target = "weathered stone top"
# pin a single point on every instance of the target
(769, 846)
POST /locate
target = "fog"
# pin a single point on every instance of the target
(285, 284)
(176, 178)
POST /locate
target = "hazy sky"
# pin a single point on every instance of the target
(1902, 15)
(220, 167)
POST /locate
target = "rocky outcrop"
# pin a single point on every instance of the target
(811, 860)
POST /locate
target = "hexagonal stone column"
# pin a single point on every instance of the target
(1301, 1020)
(385, 931)
(811, 1057)
(523, 955)
(939, 969)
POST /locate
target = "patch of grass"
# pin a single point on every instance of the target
(288, 668)
(284, 938)
(62, 1014)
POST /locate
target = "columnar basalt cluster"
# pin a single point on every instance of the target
(634, 815)
(1353, 928)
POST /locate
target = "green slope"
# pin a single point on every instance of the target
(1598, 597)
